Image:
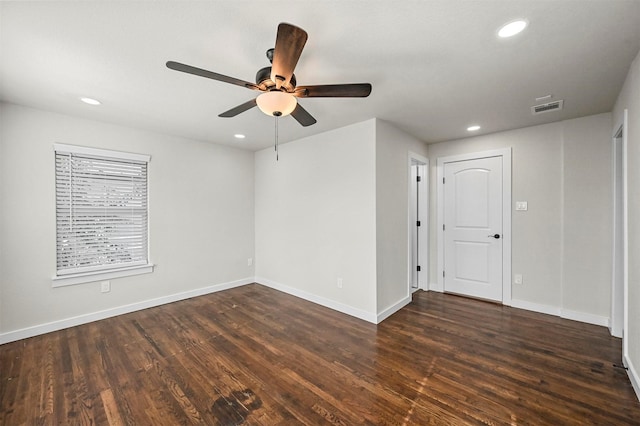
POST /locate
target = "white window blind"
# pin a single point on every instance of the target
(101, 210)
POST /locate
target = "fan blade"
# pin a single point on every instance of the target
(239, 109)
(290, 41)
(359, 90)
(302, 116)
(210, 74)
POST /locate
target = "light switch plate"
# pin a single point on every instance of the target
(522, 206)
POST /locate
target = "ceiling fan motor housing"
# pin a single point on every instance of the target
(263, 79)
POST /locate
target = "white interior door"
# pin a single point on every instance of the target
(473, 240)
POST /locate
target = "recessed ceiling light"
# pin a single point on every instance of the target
(512, 28)
(90, 101)
(239, 136)
(473, 128)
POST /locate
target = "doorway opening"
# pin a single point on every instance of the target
(418, 222)
(619, 276)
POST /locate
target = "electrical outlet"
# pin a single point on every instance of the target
(250, 261)
(339, 283)
(105, 286)
(517, 279)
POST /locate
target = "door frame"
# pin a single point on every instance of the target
(619, 279)
(505, 153)
(423, 230)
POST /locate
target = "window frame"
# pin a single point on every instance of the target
(64, 278)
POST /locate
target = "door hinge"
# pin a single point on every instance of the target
(418, 268)
(443, 226)
(418, 178)
(418, 223)
(443, 273)
(443, 181)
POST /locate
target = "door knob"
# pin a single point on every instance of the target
(496, 236)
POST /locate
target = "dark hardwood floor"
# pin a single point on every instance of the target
(255, 356)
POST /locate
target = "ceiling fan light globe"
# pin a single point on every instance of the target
(272, 103)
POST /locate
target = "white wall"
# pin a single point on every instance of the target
(336, 206)
(315, 218)
(392, 201)
(562, 244)
(587, 215)
(629, 99)
(201, 217)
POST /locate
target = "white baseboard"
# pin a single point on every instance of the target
(562, 313)
(633, 375)
(24, 333)
(27, 332)
(327, 303)
(535, 307)
(584, 317)
(36, 330)
(393, 309)
(435, 287)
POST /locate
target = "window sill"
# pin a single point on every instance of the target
(88, 277)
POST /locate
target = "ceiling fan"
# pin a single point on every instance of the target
(278, 83)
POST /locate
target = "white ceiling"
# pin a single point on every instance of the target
(436, 66)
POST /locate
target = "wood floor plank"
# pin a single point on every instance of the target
(255, 356)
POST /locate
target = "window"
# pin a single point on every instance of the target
(101, 214)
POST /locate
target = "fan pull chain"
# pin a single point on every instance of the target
(276, 142)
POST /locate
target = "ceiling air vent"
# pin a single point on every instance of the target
(549, 106)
